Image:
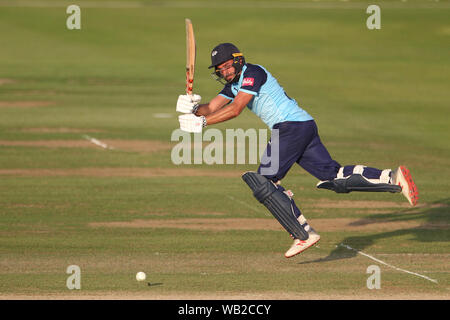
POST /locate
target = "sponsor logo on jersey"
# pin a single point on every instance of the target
(248, 82)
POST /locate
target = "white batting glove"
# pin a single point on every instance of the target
(187, 103)
(191, 123)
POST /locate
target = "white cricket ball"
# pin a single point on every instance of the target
(140, 276)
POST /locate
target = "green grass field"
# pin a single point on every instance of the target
(380, 97)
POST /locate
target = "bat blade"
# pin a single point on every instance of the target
(190, 56)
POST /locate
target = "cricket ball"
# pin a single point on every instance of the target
(140, 276)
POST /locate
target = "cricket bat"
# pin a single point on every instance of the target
(190, 56)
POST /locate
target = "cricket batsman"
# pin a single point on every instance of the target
(294, 139)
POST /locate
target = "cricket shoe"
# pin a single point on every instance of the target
(301, 245)
(402, 177)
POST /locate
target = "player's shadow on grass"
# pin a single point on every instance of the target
(436, 218)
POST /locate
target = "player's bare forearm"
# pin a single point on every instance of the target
(214, 105)
(224, 114)
(230, 111)
(203, 110)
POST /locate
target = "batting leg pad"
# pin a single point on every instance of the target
(278, 203)
(356, 182)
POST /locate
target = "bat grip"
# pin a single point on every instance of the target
(189, 85)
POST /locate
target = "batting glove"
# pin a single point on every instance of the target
(188, 103)
(191, 123)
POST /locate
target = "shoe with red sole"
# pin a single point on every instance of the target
(402, 177)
